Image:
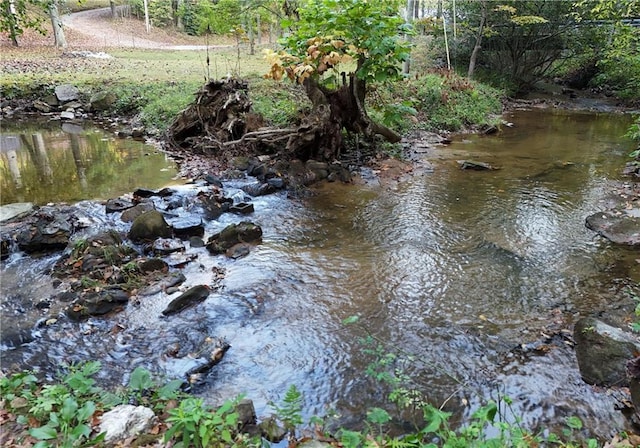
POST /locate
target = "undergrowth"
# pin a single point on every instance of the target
(66, 413)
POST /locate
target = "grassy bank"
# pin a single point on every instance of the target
(155, 85)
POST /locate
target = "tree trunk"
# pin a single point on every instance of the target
(147, 24)
(112, 5)
(56, 23)
(478, 45)
(259, 29)
(12, 22)
(411, 5)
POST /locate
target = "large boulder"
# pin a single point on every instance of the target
(603, 352)
(149, 226)
(619, 228)
(243, 232)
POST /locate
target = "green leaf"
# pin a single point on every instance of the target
(378, 416)
(351, 320)
(43, 433)
(69, 409)
(574, 422)
(170, 390)
(140, 379)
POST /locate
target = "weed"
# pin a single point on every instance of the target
(197, 425)
(290, 412)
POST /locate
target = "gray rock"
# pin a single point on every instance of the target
(66, 93)
(476, 166)
(186, 227)
(189, 298)
(152, 264)
(41, 106)
(15, 210)
(97, 304)
(130, 214)
(622, 228)
(117, 205)
(258, 189)
(67, 115)
(243, 232)
(271, 430)
(173, 279)
(102, 100)
(125, 421)
(166, 246)
(149, 226)
(246, 412)
(603, 351)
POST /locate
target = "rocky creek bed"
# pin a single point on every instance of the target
(104, 258)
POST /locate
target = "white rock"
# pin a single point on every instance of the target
(125, 421)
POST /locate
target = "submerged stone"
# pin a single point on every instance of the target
(189, 298)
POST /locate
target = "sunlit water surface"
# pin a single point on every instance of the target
(455, 268)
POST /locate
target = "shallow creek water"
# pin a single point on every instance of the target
(456, 268)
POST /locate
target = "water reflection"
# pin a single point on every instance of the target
(66, 162)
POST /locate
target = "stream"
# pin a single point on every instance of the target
(460, 270)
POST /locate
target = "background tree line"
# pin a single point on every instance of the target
(512, 42)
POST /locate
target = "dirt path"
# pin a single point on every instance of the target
(99, 30)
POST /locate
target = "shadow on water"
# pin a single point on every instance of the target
(457, 268)
(68, 162)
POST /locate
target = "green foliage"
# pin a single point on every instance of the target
(27, 14)
(145, 391)
(436, 102)
(195, 425)
(331, 33)
(62, 410)
(157, 104)
(290, 411)
(160, 11)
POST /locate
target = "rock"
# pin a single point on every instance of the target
(258, 189)
(213, 180)
(117, 205)
(102, 100)
(97, 304)
(125, 421)
(149, 226)
(214, 205)
(243, 232)
(238, 251)
(152, 264)
(6, 243)
(189, 298)
(187, 227)
(276, 182)
(196, 241)
(51, 100)
(476, 166)
(633, 374)
(144, 193)
(50, 231)
(66, 93)
(623, 228)
(166, 246)
(67, 115)
(173, 279)
(246, 413)
(242, 208)
(72, 128)
(41, 106)
(130, 214)
(314, 444)
(271, 430)
(320, 170)
(603, 351)
(15, 210)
